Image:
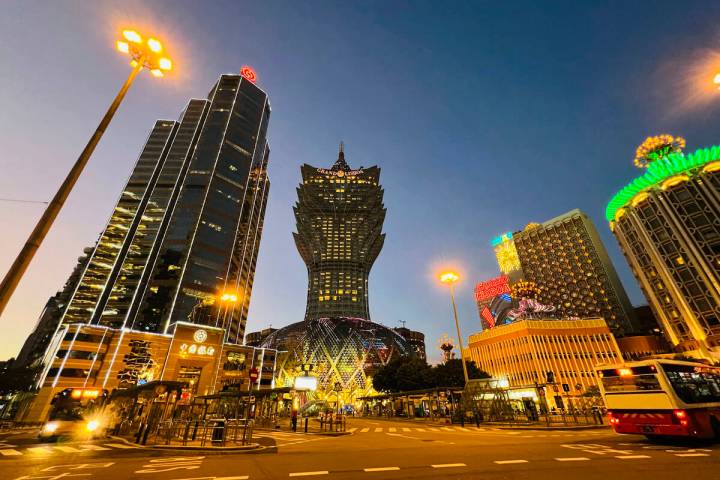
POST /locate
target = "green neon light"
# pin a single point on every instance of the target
(659, 171)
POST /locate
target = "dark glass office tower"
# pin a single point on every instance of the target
(339, 216)
(187, 226)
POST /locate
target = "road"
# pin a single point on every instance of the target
(376, 449)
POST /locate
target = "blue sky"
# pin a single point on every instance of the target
(484, 116)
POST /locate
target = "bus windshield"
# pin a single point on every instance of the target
(637, 379)
(693, 384)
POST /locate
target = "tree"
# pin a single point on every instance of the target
(450, 373)
(403, 374)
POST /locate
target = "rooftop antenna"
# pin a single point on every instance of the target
(402, 322)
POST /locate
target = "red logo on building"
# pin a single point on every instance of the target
(491, 288)
(248, 73)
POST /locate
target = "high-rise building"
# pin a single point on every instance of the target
(415, 340)
(339, 215)
(34, 347)
(667, 222)
(187, 226)
(567, 260)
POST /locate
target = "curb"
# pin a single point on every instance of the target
(239, 448)
(326, 434)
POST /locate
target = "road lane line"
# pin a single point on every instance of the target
(9, 452)
(692, 455)
(381, 469)
(241, 477)
(448, 465)
(571, 459)
(632, 457)
(392, 429)
(378, 430)
(365, 430)
(68, 449)
(503, 462)
(309, 474)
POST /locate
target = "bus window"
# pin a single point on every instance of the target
(631, 383)
(693, 385)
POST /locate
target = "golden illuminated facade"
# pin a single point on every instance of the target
(187, 226)
(524, 352)
(95, 356)
(667, 222)
(566, 259)
(339, 215)
(507, 257)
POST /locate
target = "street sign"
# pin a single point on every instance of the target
(253, 375)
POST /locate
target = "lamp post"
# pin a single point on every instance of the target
(227, 299)
(451, 278)
(146, 54)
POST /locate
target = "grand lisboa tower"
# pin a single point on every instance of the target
(339, 216)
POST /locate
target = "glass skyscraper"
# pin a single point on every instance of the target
(339, 215)
(187, 226)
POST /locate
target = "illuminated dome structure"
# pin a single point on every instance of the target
(342, 350)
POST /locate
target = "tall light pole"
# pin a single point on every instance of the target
(146, 54)
(451, 278)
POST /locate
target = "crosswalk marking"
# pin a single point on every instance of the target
(448, 429)
(378, 430)
(365, 430)
(631, 457)
(420, 429)
(392, 429)
(448, 465)
(405, 429)
(65, 449)
(381, 469)
(434, 429)
(572, 459)
(692, 455)
(503, 462)
(93, 447)
(352, 429)
(9, 452)
(308, 474)
(39, 450)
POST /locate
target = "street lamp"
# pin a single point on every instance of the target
(146, 54)
(451, 278)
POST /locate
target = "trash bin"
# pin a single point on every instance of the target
(218, 434)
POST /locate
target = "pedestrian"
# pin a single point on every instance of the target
(293, 420)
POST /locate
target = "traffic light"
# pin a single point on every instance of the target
(549, 377)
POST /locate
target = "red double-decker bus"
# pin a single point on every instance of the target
(662, 398)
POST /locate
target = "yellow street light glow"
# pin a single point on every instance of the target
(716, 80)
(132, 36)
(154, 45)
(449, 277)
(123, 46)
(229, 297)
(157, 72)
(165, 64)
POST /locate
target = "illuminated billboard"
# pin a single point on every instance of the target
(506, 254)
(491, 288)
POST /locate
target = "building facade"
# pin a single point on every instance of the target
(339, 216)
(667, 222)
(525, 351)
(567, 260)
(415, 340)
(187, 226)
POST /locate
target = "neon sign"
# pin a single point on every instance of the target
(492, 288)
(248, 73)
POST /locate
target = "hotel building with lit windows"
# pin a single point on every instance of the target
(667, 222)
(339, 216)
(185, 231)
(523, 352)
(565, 257)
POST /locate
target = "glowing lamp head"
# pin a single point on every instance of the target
(123, 46)
(165, 64)
(50, 427)
(132, 36)
(229, 297)
(156, 72)
(449, 277)
(625, 372)
(716, 80)
(154, 45)
(92, 425)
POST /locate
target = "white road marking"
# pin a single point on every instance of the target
(503, 462)
(447, 429)
(692, 455)
(365, 430)
(93, 447)
(352, 429)
(65, 449)
(308, 474)
(378, 430)
(392, 429)
(632, 457)
(420, 429)
(449, 465)
(119, 445)
(434, 429)
(405, 429)
(39, 450)
(9, 451)
(572, 459)
(381, 469)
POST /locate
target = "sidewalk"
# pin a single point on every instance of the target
(501, 425)
(192, 445)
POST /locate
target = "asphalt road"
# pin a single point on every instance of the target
(376, 449)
